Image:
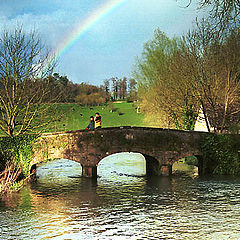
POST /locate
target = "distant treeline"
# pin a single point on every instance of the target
(62, 90)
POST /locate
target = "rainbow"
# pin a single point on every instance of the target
(86, 24)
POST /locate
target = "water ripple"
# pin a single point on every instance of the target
(121, 206)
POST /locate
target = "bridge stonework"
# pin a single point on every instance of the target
(160, 147)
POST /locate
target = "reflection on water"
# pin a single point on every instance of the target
(121, 204)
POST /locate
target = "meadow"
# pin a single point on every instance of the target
(115, 114)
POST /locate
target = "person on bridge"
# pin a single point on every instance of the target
(98, 120)
(91, 125)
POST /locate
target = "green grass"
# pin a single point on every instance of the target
(183, 168)
(77, 117)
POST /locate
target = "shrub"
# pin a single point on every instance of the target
(223, 151)
(16, 155)
(192, 160)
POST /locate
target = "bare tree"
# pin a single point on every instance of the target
(106, 88)
(23, 66)
(223, 9)
(122, 88)
(223, 13)
(115, 88)
(213, 58)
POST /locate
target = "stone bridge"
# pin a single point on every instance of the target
(160, 147)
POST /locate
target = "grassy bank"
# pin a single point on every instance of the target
(113, 115)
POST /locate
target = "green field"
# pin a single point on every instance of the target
(77, 117)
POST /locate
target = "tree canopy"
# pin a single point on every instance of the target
(179, 76)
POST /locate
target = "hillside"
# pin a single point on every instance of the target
(113, 115)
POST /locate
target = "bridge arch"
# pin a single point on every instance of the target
(153, 166)
(123, 163)
(55, 168)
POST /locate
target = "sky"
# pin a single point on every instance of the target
(109, 46)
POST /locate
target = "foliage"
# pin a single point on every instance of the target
(221, 151)
(235, 129)
(201, 70)
(92, 99)
(17, 150)
(192, 160)
(15, 157)
(65, 91)
(9, 176)
(91, 95)
(62, 89)
(16, 186)
(163, 85)
(119, 88)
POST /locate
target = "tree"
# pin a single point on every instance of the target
(106, 88)
(90, 95)
(122, 88)
(115, 88)
(201, 70)
(132, 88)
(163, 92)
(61, 88)
(223, 9)
(223, 13)
(213, 58)
(23, 59)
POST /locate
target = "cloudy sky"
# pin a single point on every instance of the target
(109, 47)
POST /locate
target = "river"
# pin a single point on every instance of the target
(121, 204)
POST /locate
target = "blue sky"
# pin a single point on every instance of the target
(110, 47)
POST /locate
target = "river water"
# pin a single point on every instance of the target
(121, 204)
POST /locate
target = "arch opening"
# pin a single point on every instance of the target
(186, 166)
(122, 165)
(57, 170)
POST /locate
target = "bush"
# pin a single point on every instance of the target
(93, 99)
(223, 151)
(192, 160)
(17, 150)
(16, 155)
(234, 129)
